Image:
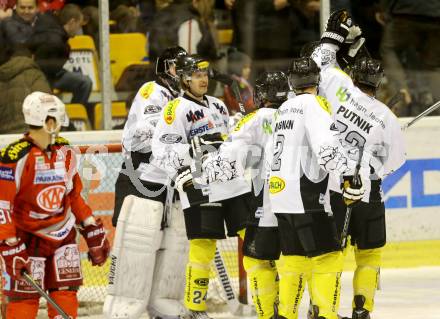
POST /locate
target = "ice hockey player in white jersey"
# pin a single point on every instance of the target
(250, 138)
(365, 122)
(148, 241)
(196, 118)
(306, 150)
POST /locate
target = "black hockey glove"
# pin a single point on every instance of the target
(184, 182)
(204, 144)
(337, 28)
(352, 191)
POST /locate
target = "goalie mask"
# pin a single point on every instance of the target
(38, 106)
(272, 87)
(368, 72)
(303, 73)
(165, 64)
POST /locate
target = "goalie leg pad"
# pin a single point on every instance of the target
(366, 275)
(201, 254)
(138, 237)
(169, 275)
(326, 283)
(263, 283)
(294, 272)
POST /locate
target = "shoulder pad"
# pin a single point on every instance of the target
(169, 113)
(324, 104)
(244, 120)
(14, 151)
(61, 141)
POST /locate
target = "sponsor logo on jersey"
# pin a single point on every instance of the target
(4, 204)
(324, 104)
(342, 94)
(170, 111)
(195, 116)
(333, 127)
(220, 108)
(267, 126)
(355, 119)
(7, 173)
(276, 184)
(15, 150)
(284, 125)
(112, 272)
(202, 282)
(170, 138)
(146, 90)
(244, 120)
(49, 176)
(152, 109)
(15, 250)
(51, 198)
(202, 129)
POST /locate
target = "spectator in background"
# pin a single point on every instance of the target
(18, 28)
(305, 23)
(50, 45)
(239, 67)
(411, 51)
(127, 19)
(50, 5)
(188, 24)
(6, 8)
(19, 76)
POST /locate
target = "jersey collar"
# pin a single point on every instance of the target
(186, 96)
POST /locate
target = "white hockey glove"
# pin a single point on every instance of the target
(184, 179)
(352, 191)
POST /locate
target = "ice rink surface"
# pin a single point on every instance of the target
(407, 293)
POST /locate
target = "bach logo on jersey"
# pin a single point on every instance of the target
(170, 111)
(276, 184)
(51, 198)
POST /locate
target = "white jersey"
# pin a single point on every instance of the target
(139, 128)
(362, 121)
(306, 149)
(180, 120)
(244, 150)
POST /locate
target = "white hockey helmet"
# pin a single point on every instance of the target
(37, 106)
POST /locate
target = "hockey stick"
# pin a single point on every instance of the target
(426, 112)
(28, 278)
(344, 232)
(235, 307)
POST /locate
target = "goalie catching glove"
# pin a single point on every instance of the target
(352, 190)
(94, 235)
(337, 29)
(15, 257)
(204, 144)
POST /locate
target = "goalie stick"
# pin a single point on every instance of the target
(235, 307)
(28, 278)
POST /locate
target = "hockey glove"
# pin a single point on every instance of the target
(352, 191)
(204, 144)
(184, 182)
(337, 28)
(99, 247)
(15, 257)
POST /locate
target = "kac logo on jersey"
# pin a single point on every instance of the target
(6, 173)
(170, 111)
(276, 184)
(51, 198)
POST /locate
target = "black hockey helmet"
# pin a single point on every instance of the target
(272, 87)
(165, 61)
(367, 71)
(187, 65)
(303, 72)
(308, 48)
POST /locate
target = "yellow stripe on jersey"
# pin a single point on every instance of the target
(244, 120)
(325, 105)
(147, 89)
